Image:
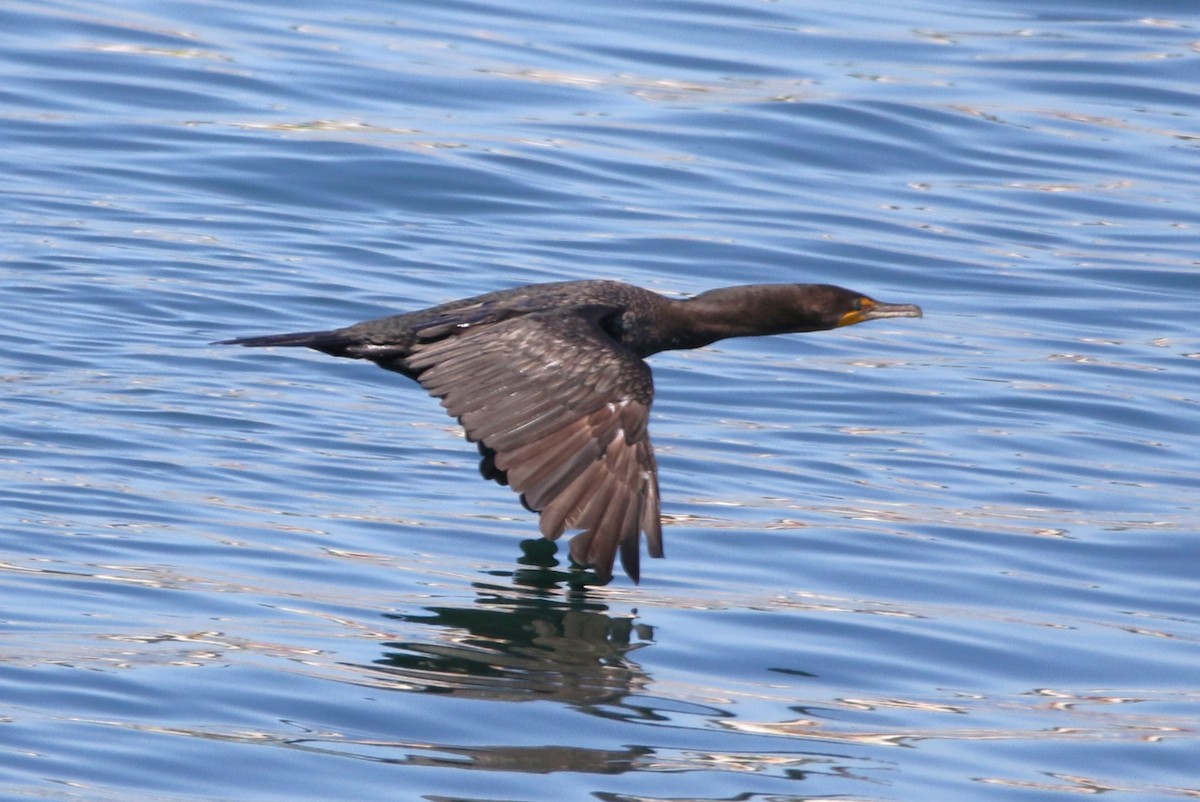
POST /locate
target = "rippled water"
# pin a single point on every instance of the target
(952, 558)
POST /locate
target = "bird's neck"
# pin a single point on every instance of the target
(723, 313)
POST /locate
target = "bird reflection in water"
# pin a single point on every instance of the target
(513, 645)
(521, 644)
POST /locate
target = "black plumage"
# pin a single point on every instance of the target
(550, 381)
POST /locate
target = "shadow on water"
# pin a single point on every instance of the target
(523, 641)
(541, 638)
(529, 637)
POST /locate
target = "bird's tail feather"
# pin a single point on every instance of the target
(329, 342)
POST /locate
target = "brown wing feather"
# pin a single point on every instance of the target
(563, 409)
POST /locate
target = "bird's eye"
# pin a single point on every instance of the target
(857, 305)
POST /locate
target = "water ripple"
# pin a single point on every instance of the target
(952, 554)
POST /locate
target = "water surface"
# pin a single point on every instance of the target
(952, 558)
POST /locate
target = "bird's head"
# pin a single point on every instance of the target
(816, 307)
(847, 307)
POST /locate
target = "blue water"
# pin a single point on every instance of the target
(952, 558)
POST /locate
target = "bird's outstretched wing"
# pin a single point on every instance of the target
(561, 411)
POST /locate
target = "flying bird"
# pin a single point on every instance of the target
(550, 381)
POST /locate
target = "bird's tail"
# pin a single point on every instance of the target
(334, 342)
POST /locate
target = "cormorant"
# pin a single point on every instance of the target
(550, 381)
